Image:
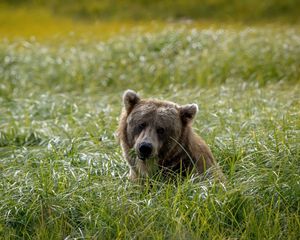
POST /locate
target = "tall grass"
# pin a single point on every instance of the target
(62, 174)
(152, 61)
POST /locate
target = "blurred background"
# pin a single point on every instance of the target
(43, 18)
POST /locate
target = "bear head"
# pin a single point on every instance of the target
(153, 128)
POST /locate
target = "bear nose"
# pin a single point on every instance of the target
(145, 150)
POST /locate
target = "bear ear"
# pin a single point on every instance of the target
(130, 99)
(188, 112)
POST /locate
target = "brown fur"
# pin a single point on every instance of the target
(176, 148)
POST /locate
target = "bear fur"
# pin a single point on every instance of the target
(157, 137)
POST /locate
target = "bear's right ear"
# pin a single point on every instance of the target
(130, 99)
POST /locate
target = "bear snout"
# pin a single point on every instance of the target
(145, 150)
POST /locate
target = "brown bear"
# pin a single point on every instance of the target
(157, 137)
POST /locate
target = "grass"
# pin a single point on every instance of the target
(42, 25)
(62, 174)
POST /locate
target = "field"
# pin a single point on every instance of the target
(62, 174)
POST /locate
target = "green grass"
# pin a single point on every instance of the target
(62, 174)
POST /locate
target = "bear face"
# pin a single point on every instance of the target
(151, 128)
(157, 135)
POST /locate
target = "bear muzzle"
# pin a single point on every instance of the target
(145, 150)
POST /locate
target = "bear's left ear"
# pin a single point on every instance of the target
(188, 112)
(130, 99)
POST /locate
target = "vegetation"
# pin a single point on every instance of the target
(220, 10)
(62, 174)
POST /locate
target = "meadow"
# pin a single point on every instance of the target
(62, 174)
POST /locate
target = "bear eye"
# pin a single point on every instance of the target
(142, 126)
(160, 131)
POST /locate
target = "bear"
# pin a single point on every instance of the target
(156, 136)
